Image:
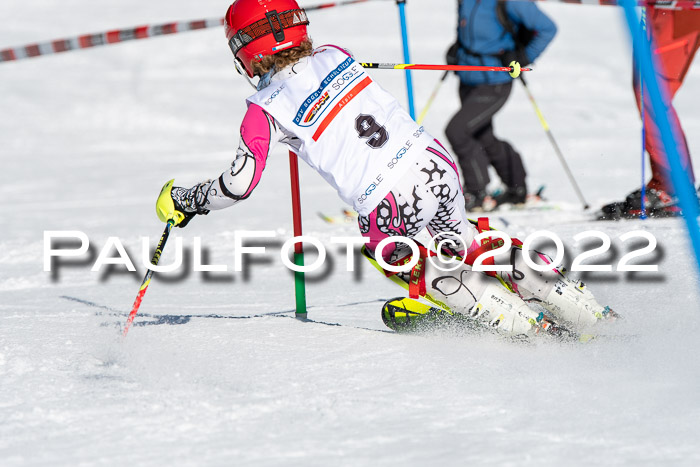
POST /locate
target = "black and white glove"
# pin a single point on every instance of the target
(181, 204)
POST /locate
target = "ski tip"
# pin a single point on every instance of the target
(325, 217)
(585, 338)
(402, 314)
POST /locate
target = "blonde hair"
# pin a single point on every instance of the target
(283, 58)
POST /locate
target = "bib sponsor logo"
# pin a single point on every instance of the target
(331, 87)
(274, 94)
(402, 152)
(316, 107)
(342, 81)
(372, 186)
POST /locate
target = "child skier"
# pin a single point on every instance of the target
(322, 104)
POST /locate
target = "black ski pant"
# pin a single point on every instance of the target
(470, 132)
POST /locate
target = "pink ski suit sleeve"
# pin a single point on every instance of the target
(259, 134)
(256, 136)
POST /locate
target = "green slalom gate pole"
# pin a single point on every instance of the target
(299, 281)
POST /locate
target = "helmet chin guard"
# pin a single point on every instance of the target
(241, 71)
(256, 28)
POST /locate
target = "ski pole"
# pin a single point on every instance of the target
(149, 273)
(424, 112)
(514, 69)
(165, 208)
(548, 132)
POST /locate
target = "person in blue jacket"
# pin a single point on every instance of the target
(491, 33)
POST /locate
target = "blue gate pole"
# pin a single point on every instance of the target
(406, 56)
(644, 133)
(685, 190)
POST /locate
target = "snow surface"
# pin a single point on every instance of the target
(217, 372)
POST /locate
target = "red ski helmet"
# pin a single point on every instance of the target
(255, 28)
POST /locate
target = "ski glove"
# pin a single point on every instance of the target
(180, 204)
(518, 55)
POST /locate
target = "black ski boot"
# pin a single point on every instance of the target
(657, 204)
(511, 195)
(474, 200)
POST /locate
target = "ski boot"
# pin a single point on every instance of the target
(500, 309)
(657, 203)
(511, 195)
(573, 303)
(569, 301)
(474, 200)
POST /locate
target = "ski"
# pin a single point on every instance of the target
(347, 217)
(407, 315)
(533, 201)
(528, 206)
(403, 314)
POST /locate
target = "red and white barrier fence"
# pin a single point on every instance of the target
(122, 35)
(142, 32)
(104, 38)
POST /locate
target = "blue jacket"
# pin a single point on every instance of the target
(480, 31)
